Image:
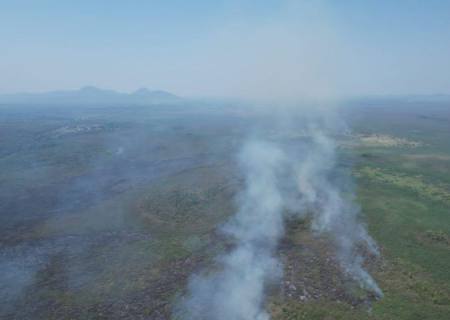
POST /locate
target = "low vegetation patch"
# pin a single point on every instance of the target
(437, 192)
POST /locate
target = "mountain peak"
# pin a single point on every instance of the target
(92, 95)
(141, 92)
(155, 94)
(89, 89)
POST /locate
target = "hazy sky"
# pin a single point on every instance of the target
(249, 49)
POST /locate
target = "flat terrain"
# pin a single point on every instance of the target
(105, 212)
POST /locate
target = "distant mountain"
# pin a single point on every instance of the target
(428, 98)
(407, 98)
(90, 95)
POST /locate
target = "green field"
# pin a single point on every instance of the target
(404, 193)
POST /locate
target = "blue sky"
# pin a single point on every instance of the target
(251, 49)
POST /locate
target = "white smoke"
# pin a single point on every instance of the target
(332, 212)
(236, 291)
(281, 180)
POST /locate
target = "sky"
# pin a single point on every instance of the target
(205, 48)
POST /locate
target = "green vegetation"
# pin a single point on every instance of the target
(404, 195)
(415, 184)
(112, 234)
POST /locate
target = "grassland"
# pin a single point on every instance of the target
(404, 193)
(109, 222)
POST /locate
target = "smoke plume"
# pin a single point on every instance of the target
(282, 179)
(334, 212)
(236, 291)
